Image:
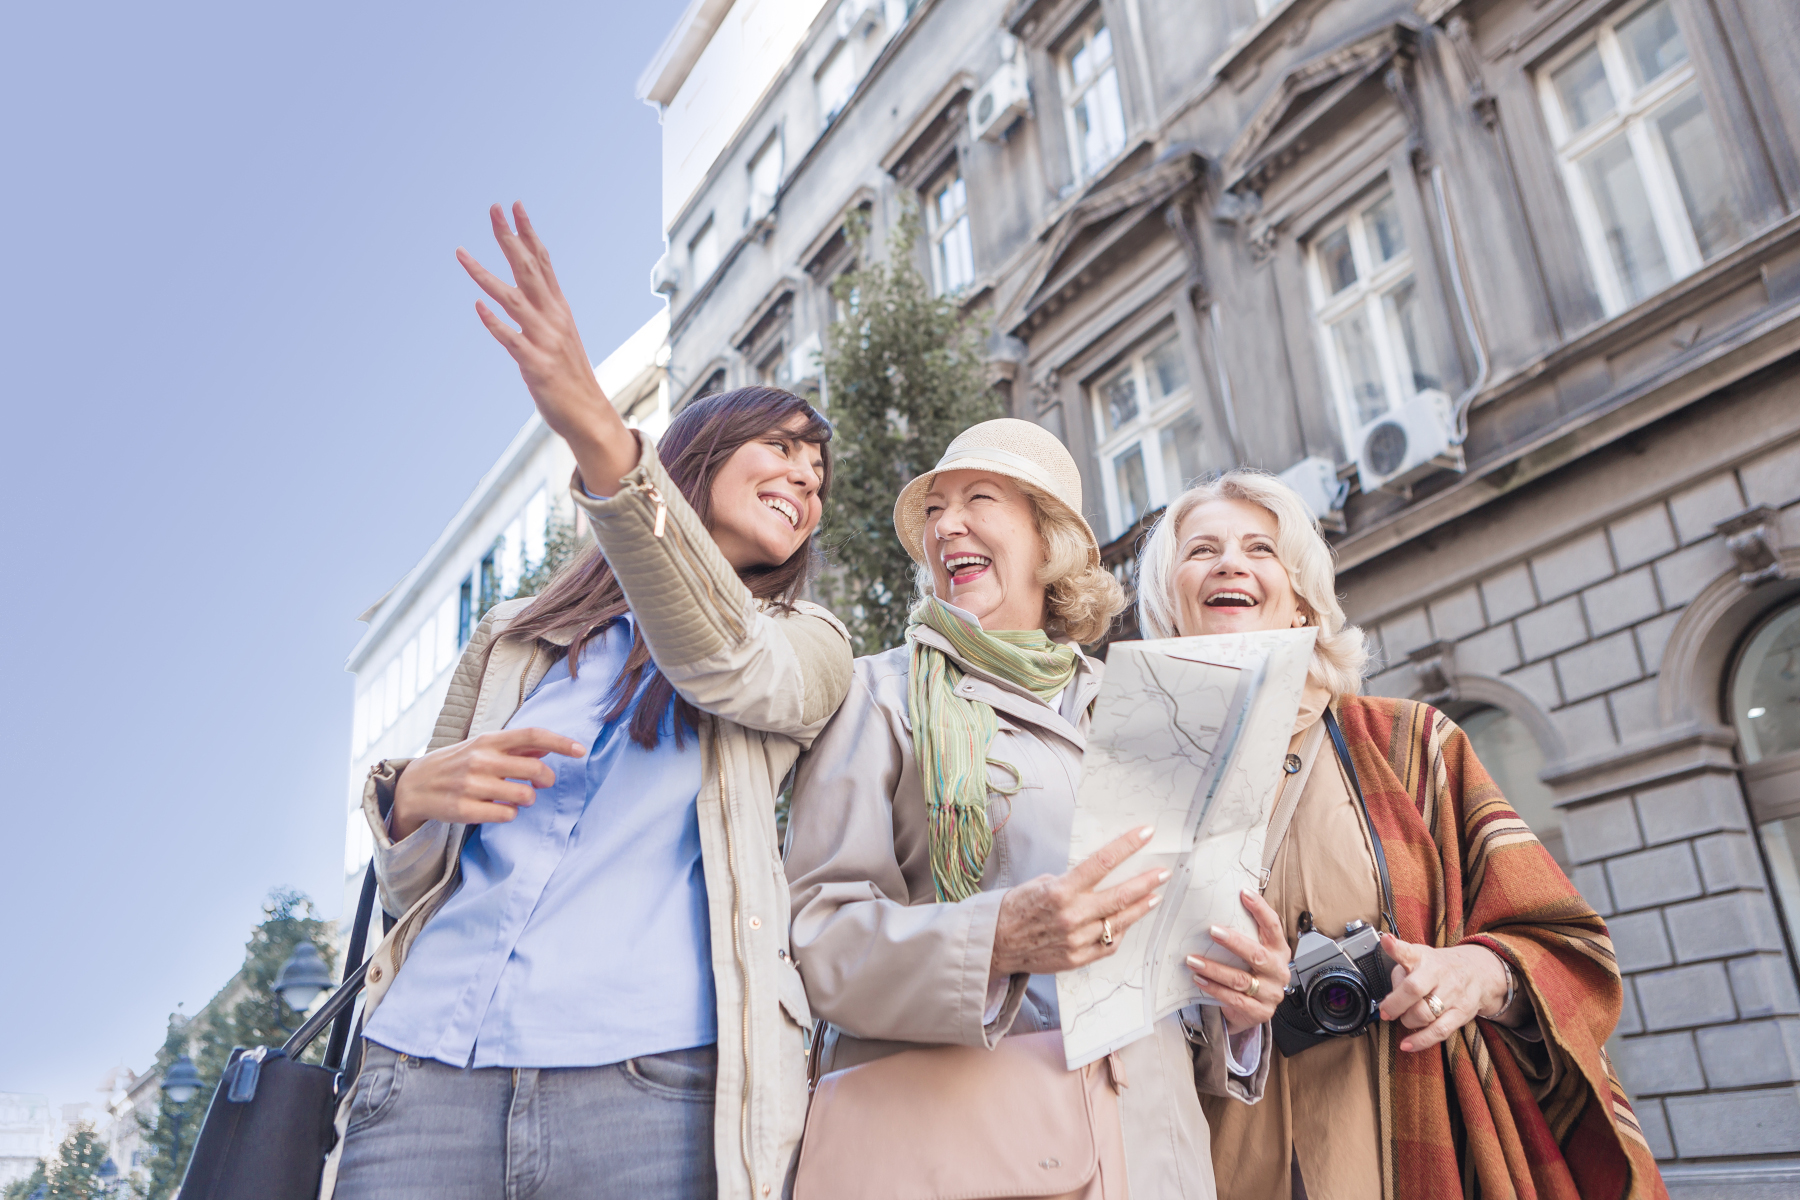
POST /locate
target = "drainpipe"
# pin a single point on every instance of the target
(1454, 254)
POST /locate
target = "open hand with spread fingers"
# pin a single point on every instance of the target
(548, 349)
(1436, 992)
(1247, 998)
(1058, 922)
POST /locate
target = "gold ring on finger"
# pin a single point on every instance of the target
(1106, 933)
(1435, 1005)
(1254, 987)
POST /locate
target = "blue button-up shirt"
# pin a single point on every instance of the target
(579, 935)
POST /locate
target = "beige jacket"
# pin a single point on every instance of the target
(891, 968)
(768, 680)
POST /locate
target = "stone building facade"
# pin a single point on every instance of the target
(1509, 288)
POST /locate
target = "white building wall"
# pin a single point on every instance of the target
(28, 1131)
(708, 77)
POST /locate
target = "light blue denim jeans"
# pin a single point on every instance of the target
(421, 1130)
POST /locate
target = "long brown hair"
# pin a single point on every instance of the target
(586, 597)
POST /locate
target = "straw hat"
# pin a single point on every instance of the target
(1007, 446)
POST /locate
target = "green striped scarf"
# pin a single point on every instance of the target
(951, 735)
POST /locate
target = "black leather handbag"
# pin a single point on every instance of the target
(269, 1127)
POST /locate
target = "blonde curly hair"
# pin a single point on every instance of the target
(1342, 653)
(1082, 598)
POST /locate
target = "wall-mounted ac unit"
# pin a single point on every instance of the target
(1316, 480)
(665, 276)
(999, 102)
(1397, 450)
(857, 16)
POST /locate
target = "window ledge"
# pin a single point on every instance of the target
(1710, 363)
(1259, 36)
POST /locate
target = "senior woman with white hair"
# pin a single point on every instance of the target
(928, 845)
(1485, 1072)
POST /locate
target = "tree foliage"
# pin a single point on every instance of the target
(561, 545)
(74, 1174)
(247, 1012)
(904, 375)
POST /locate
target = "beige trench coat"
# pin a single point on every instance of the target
(890, 968)
(767, 680)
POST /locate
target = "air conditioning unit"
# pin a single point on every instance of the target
(1409, 443)
(665, 276)
(1316, 480)
(857, 16)
(1000, 101)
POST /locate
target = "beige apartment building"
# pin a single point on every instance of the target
(1509, 288)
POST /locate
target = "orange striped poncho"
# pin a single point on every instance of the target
(1477, 1116)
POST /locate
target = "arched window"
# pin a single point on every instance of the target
(1511, 755)
(1764, 700)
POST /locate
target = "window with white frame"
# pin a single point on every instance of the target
(1152, 442)
(765, 178)
(1642, 161)
(1366, 300)
(1092, 110)
(834, 83)
(947, 224)
(703, 251)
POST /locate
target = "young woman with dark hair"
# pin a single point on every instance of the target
(587, 990)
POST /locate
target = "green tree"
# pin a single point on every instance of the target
(247, 1012)
(24, 1189)
(904, 374)
(561, 544)
(74, 1174)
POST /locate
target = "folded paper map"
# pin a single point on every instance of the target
(1188, 735)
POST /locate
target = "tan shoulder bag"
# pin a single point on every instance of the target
(963, 1123)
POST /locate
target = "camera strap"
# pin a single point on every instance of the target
(1299, 769)
(1343, 752)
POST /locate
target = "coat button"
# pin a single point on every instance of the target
(374, 974)
(756, 922)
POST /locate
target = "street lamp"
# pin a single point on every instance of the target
(302, 977)
(179, 1085)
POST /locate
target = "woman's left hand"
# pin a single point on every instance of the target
(1246, 998)
(1467, 981)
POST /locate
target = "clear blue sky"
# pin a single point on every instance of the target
(243, 388)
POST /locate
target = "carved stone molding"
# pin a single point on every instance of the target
(1175, 216)
(1469, 61)
(1262, 240)
(1435, 667)
(1398, 81)
(1754, 539)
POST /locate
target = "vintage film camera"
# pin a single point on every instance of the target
(1334, 987)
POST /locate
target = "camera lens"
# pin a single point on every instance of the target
(1338, 1002)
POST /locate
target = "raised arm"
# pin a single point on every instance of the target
(708, 636)
(548, 349)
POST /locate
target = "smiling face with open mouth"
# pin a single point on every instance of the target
(984, 549)
(765, 499)
(1227, 576)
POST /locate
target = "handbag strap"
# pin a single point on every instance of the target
(340, 1011)
(1290, 800)
(1381, 869)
